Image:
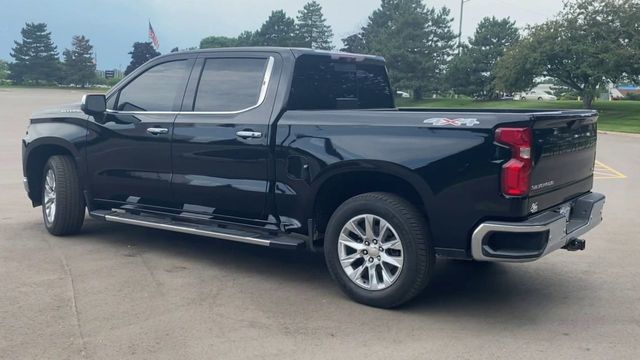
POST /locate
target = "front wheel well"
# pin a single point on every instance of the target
(342, 187)
(35, 164)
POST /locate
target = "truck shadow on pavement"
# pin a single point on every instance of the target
(512, 293)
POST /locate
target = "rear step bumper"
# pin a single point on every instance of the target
(283, 241)
(540, 234)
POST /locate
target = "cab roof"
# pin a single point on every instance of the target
(284, 51)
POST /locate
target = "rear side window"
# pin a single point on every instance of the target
(160, 88)
(322, 83)
(230, 84)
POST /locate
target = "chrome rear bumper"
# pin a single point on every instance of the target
(539, 235)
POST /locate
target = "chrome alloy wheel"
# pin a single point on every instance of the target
(370, 252)
(50, 196)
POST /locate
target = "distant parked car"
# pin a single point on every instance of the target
(403, 94)
(535, 95)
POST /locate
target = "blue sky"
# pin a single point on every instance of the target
(113, 25)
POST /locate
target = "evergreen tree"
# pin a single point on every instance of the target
(471, 72)
(4, 71)
(415, 40)
(36, 58)
(312, 30)
(141, 53)
(278, 30)
(79, 65)
(353, 44)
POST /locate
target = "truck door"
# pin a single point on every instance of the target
(129, 151)
(220, 149)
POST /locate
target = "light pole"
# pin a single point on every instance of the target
(460, 27)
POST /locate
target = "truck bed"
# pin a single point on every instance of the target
(455, 153)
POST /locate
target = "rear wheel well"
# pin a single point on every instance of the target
(342, 187)
(35, 164)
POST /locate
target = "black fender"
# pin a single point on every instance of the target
(371, 167)
(47, 138)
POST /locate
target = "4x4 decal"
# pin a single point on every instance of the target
(452, 122)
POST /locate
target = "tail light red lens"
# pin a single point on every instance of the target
(516, 173)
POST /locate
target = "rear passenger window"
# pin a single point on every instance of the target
(228, 84)
(160, 88)
(323, 83)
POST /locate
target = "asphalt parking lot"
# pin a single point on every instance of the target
(117, 291)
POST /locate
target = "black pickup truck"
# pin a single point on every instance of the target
(296, 148)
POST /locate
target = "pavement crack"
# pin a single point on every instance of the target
(74, 304)
(155, 280)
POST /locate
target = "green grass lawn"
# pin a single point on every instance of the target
(623, 116)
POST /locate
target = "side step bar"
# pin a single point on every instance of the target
(213, 231)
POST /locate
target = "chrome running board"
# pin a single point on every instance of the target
(213, 230)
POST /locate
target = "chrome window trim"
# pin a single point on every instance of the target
(263, 94)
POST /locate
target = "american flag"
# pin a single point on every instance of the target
(153, 37)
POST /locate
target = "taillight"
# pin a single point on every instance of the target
(517, 171)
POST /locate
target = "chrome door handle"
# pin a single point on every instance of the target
(157, 131)
(246, 134)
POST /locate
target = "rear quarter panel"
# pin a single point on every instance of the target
(454, 169)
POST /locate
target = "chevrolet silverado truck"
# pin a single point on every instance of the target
(297, 148)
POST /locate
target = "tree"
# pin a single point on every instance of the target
(281, 30)
(141, 53)
(589, 44)
(312, 30)
(36, 58)
(415, 40)
(4, 71)
(246, 38)
(218, 42)
(79, 66)
(353, 44)
(471, 72)
(278, 30)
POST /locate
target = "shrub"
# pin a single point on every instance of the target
(568, 97)
(632, 96)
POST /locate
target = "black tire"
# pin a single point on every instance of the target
(69, 202)
(540, 99)
(411, 227)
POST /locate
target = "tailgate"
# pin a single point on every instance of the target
(564, 153)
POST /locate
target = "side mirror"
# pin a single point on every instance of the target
(94, 104)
